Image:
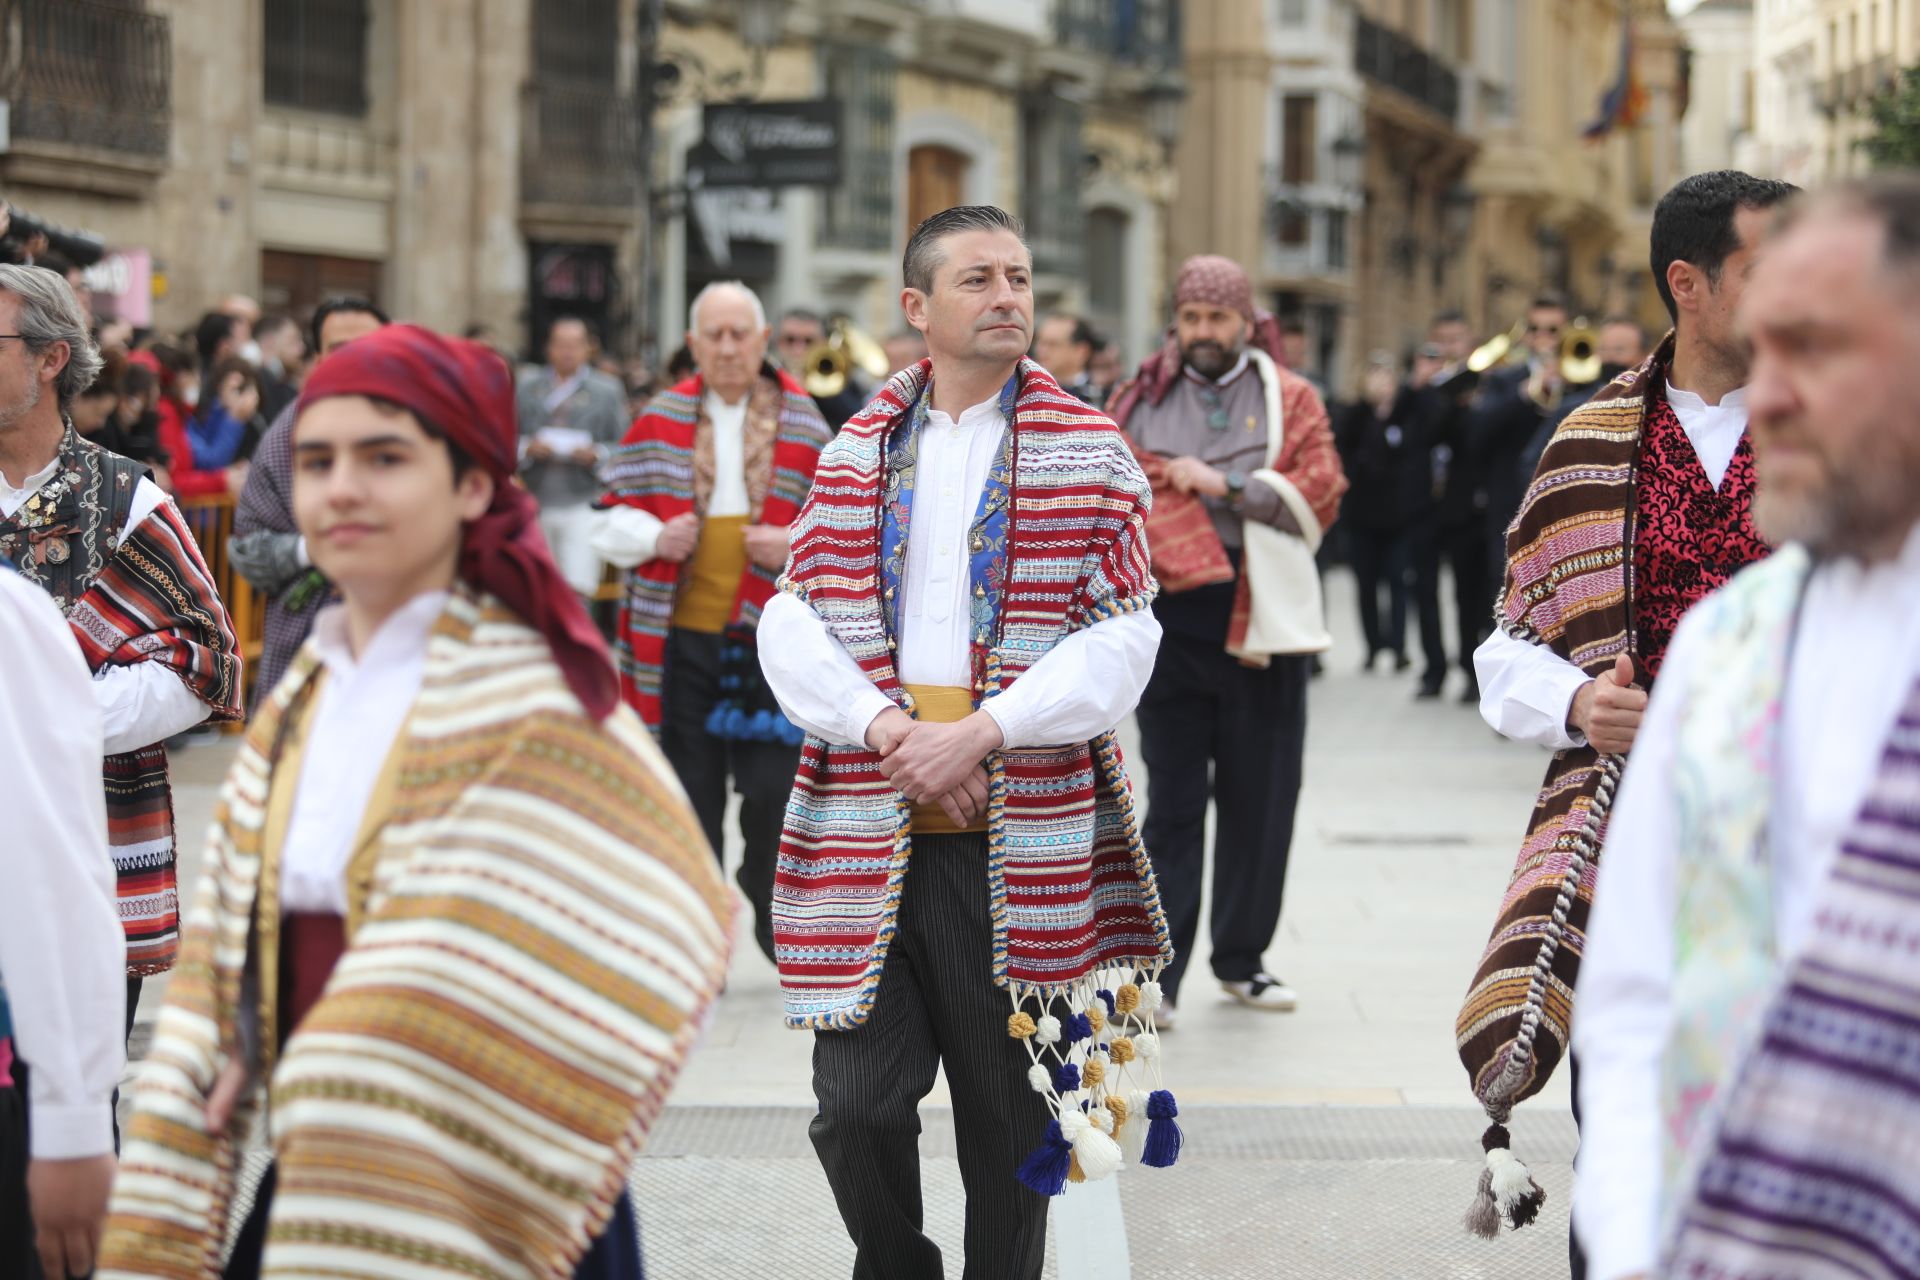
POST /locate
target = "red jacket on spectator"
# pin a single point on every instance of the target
(188, 482)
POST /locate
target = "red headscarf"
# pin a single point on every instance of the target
(466, 391)
(1216, 281)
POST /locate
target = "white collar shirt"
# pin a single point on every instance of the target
(951, 471)
(362, 704)
(729, 423)
(1714, 430)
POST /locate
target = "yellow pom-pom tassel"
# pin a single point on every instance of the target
(1074, 1172)
(1092, 1073)
(1127, 998)
(1121, 1050)
(1118, 1106)
(1097, 1016)
(1020, 1026)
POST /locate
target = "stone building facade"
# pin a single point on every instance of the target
(479, 161)
(1816, 64)
(1378, 161)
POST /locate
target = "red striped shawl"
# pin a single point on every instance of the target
(1071, 887)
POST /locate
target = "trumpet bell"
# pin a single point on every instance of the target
(867, 355)
(1580, 354)
(827, 367)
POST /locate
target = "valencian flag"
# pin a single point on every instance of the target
(1625, 101)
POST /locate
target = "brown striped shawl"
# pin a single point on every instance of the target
(1569, 587)
(541, 931)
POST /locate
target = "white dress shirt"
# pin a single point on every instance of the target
(63, 955)
(1081, 688)
(627, 536)
(144, 702)
(361, 706)
(1526, 690)
(1856, 653)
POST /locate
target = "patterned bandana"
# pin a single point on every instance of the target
(1216, 281)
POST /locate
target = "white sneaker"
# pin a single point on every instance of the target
(1263, 991)
(1164, 1017)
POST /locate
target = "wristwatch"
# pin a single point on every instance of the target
(1236, 487)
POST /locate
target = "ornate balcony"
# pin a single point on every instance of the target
(581, 147)
(1133, 32)
(1389, 59)
(87, 75)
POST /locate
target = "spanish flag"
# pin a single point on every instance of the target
(1624, 103)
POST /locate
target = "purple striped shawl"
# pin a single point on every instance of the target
(1813, 1170)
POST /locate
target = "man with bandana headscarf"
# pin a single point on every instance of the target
(1200, 415)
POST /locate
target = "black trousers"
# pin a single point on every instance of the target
(762, 772)
(1211, 728)
(18, 1258)
(1474, 587)
(1424, 556)
(1380, 561)
(936, 1005)
(1576, 1256)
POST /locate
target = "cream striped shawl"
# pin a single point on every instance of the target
(543, 929)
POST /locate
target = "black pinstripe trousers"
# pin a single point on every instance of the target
(936, 1005)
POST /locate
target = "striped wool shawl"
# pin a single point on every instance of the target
(131, 596)
(1800, 1154)
(1071, 886)
(542, 932)
(664, 467)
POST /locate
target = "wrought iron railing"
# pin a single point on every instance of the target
(88, 74)
(1054, 152)
(1139, 32)
(1388, 58)
(316, 55)
(859, 214)
(581, 146)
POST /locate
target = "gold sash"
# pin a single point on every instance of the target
(710, 582)
(940, 704)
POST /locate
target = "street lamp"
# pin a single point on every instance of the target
(760, 26)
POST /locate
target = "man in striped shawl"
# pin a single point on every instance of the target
(456, 916)
(699, 498)
(966, 618)
(1748, 1030)
(1642, 504)
(91, 529)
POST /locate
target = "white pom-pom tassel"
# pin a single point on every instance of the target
(1048, 1029)
(1147, 1046)
(1099, 1155)
(1133, 1134)
(1149, 996)
(1102, 1120)
(1511, 1180)
(1040, 1078)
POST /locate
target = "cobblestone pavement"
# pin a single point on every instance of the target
(1337, 1141)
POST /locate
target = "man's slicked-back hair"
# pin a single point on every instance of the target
(1694, 222)
(924, 256)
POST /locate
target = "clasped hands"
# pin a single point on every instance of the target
(766, 543)
(937, 763)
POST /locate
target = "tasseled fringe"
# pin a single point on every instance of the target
(1506, 1189)
(1163, 1135)
(1045, 1171)
(1086, 1060)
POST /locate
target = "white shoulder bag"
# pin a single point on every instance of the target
(1283, 581)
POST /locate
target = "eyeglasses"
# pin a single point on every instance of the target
(1551, 330)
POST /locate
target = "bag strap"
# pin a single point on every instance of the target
(1270, 388)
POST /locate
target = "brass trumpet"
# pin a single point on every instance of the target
(831, 363)
(1501, 348)
(1580, 354)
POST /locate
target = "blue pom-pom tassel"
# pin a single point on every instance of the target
(717, 720)
(1106, 997)
(1045, 1171)
(1162, 1149)
(1066, 1077)
(1079, 1027)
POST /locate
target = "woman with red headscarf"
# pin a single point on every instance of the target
(458, 923)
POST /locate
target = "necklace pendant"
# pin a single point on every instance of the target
(57, 550)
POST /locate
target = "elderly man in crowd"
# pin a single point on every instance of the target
(1218, 420)
(699, 498)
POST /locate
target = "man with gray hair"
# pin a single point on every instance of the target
(92, 530)
(699, 498)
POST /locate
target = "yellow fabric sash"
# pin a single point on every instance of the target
(710, 583)
(941, 704)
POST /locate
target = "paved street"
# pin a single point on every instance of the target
(1338, 1140)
